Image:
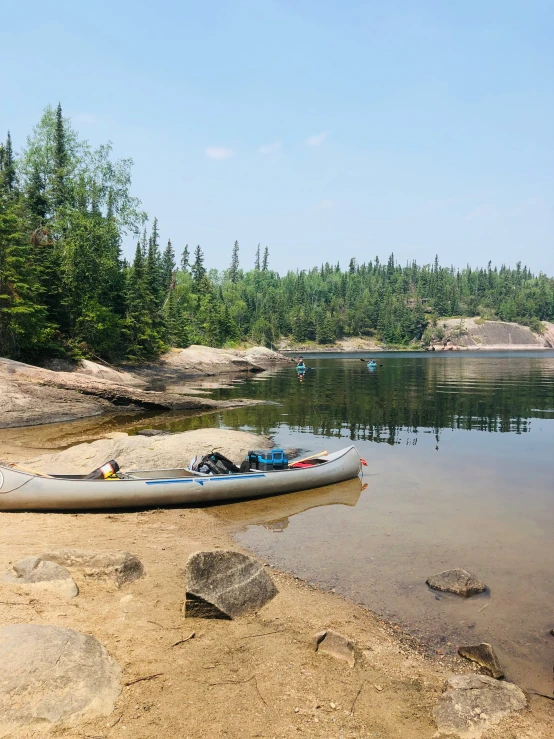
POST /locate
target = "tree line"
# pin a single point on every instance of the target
(66, 290)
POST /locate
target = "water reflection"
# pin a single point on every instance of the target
(403, 397)
(274, 513)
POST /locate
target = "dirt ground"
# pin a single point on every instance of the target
(257, 676)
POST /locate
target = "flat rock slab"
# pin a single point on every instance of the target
(473, 703)
(459, 582)
(335, 645)
(119, 567)
(225, 584)
(485, 656)
(40, 574)
(51, 675)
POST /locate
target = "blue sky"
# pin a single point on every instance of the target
(321, 129)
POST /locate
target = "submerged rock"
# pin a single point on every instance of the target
(119, 567)
(459, 582)
(41, 574)
(225, 584)
(485, 656)
(51, 675)
(473, 703)
(335, 645)
(152, 432)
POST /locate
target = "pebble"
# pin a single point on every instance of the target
(333, 705)
(379, 687)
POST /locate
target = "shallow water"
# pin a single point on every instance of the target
(460, 452)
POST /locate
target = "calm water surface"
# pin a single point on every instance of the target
(460, 453)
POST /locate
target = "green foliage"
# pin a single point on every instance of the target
(65, 289)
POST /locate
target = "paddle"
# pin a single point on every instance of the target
(313, 456)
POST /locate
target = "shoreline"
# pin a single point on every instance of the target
(407, 350)
(34, 396)
(391, 689)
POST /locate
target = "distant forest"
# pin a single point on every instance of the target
(66, 290)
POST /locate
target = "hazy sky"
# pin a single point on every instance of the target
(322, 129)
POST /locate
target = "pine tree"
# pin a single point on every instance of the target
(60, 161)
(185, 257)
(168, 266)
(234, 268)
(198, 269)
(257, 259)
(265, 263)
(21, 317)
(141, 337)
(8, 165)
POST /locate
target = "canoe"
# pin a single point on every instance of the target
(25, 491)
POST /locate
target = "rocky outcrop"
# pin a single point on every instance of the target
(335, 645)
(33, 395)
(102, 372)
(51, 675)
(180, 364)
(225, 584)
(172, 451)
(42, 574)
(118, 567)
(485, 656)
(476, 333)
(473, 703)
(459, 582)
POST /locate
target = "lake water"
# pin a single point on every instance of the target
(460, 453)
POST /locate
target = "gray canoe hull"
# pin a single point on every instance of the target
(21, 491)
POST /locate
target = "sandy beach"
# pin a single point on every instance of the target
(257, 676)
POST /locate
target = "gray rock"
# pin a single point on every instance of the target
(473, 703)
(459, 582)
(225, 584)
(40, 574)
(485, 656)
(119, 567)
(50, 675)
(152, 432)
(335, 645)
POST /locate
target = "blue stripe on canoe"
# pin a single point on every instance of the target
(202, 480)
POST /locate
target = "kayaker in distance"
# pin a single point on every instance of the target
(301, 364)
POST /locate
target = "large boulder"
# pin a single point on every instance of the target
(473, 703)
(169, 451)
(459, 582)
(118, 567)
(225, 584)
(39, 574)
(485, 656)
(51, 675)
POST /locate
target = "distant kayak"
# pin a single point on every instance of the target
(301, 368)
(372, 365)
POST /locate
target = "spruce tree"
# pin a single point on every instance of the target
(234, 268)
(185, 259)
(168, 266)
(265, 263)
(198, 269)
(257, 259)
(60, 161)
